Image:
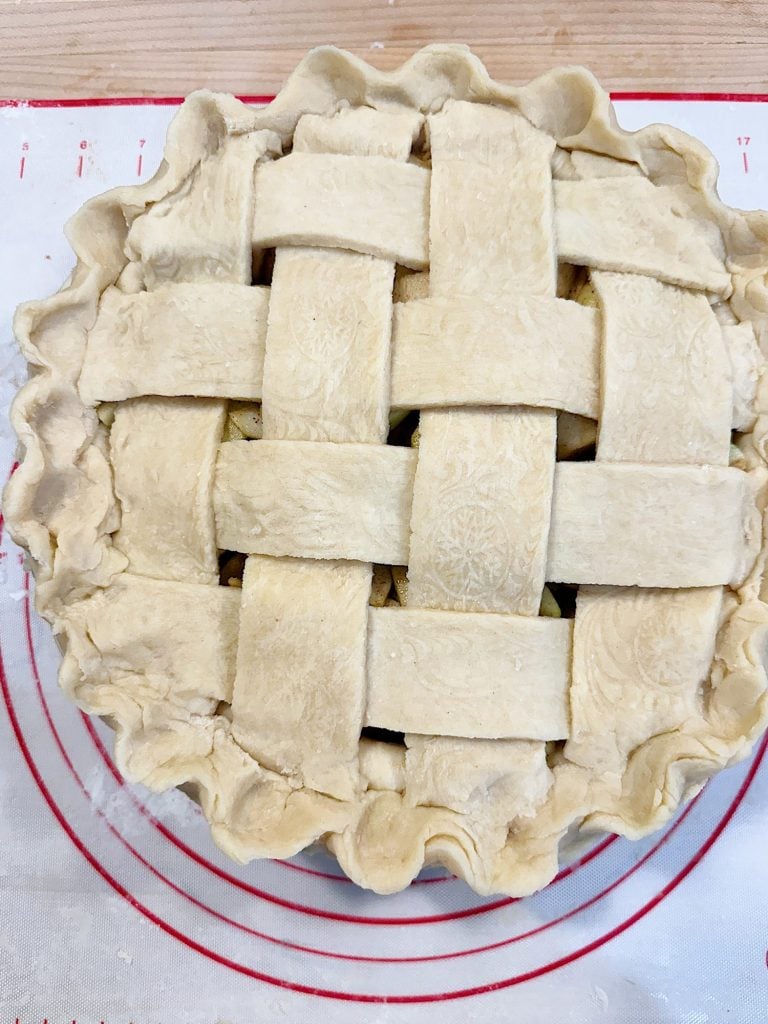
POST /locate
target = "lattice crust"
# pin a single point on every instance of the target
(180, 339)
(428, 228)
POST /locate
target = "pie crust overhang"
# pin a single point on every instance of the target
(519, 727)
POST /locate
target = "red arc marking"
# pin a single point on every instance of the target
(170, 101)
(345, 996)
(419, 959)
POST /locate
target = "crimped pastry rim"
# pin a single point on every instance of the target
(71, 561)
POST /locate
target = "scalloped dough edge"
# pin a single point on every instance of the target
(383, 840)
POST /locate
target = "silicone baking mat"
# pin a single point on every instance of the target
(115, 906)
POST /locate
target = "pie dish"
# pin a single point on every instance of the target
(394, 469)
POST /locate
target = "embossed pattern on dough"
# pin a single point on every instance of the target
(180, 339)
(481, 504)
(314, 500)
(201, 231)
(634, 226)
(370, 204)
(479, 535)
(668, 339)
(467, 550)
(466, 674)
(298, 700)
(163, 454)
(490, 167)
(457, 350)
(632, 525)
(640, 659)
(327, 365)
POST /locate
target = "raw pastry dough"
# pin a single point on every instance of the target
(468, 674)
(163, 454)
(180, 339)
(533, 281)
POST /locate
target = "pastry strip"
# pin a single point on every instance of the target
(470, 675)
(163, 455)
(199, 339)
(667, 395)
(634, 226)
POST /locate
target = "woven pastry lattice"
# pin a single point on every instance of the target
(566, 324)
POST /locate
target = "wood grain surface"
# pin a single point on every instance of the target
(51, 48)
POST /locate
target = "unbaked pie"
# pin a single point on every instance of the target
(395, 464)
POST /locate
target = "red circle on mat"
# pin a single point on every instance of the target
(509, 940)
(306, 949)
(328, 993)
(360, 997)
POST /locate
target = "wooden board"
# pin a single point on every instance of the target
(52, 48)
